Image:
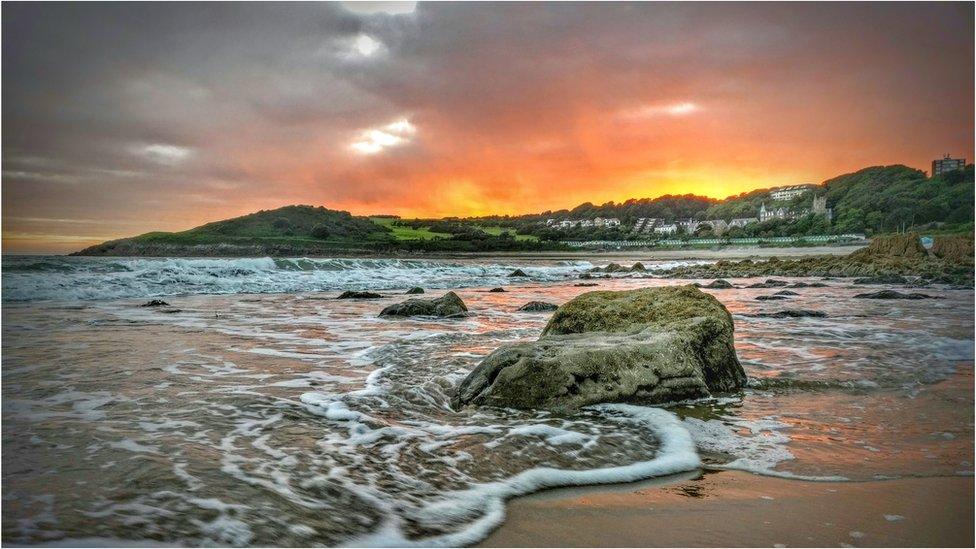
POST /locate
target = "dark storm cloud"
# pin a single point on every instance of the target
(174, 114)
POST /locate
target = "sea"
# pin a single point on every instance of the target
(258, 409)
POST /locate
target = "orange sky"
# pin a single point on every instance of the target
(121, 119)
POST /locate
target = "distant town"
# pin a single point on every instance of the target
(716, 227)
(781, 204)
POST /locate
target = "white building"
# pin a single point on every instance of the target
(688, 225)
(742, 221)
(667, 228)
(774, 213)
(793, 191)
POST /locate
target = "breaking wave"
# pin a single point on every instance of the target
(77, 278)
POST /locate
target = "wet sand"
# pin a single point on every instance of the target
(735, 509)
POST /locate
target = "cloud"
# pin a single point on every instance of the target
(131, 107)
(161, 153)
(376, 140)
(681, 108)
(362, 46)
(371, 8)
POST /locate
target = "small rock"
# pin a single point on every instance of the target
(881, 279)
(638, 268)
(719, 285)
(415, 290)
(585, 284)
(791, 313)
(448, 305)
(807, 285)
(538, 307)
(518, 272)
(155, 303)
(771, 297)
(496, 290)
(358, 295)
(892, 294)
(786, 292)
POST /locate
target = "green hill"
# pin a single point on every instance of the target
(287, 230)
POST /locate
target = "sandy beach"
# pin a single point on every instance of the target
(736, 509)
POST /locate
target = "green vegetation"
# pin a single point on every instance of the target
(876, 200)
(405, 232)
(498, 231)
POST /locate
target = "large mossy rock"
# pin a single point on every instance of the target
(651, 345)
(448, 305)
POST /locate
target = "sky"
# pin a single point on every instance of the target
(124, 118)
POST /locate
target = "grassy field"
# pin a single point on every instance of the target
(495, 231)
(407, 233)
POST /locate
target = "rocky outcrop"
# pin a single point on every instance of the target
(651, 345)
(517, 272)
(638, 268)
(155, 303)
(901, 255)
(358, 295)
(953, 247)
(538, 307)
(497, 290)
(892, 294)
(773, 297)
(415, 290)
(448, 305)
(907, 246)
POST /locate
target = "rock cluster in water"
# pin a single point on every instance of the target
(650, 345)
(447, 306)
(618, 268)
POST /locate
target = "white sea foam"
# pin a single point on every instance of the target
(482, 506)
(759, 452)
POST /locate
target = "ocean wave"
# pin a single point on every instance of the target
(74, 278)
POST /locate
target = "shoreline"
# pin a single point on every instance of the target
(737, 252)
(734, 508)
